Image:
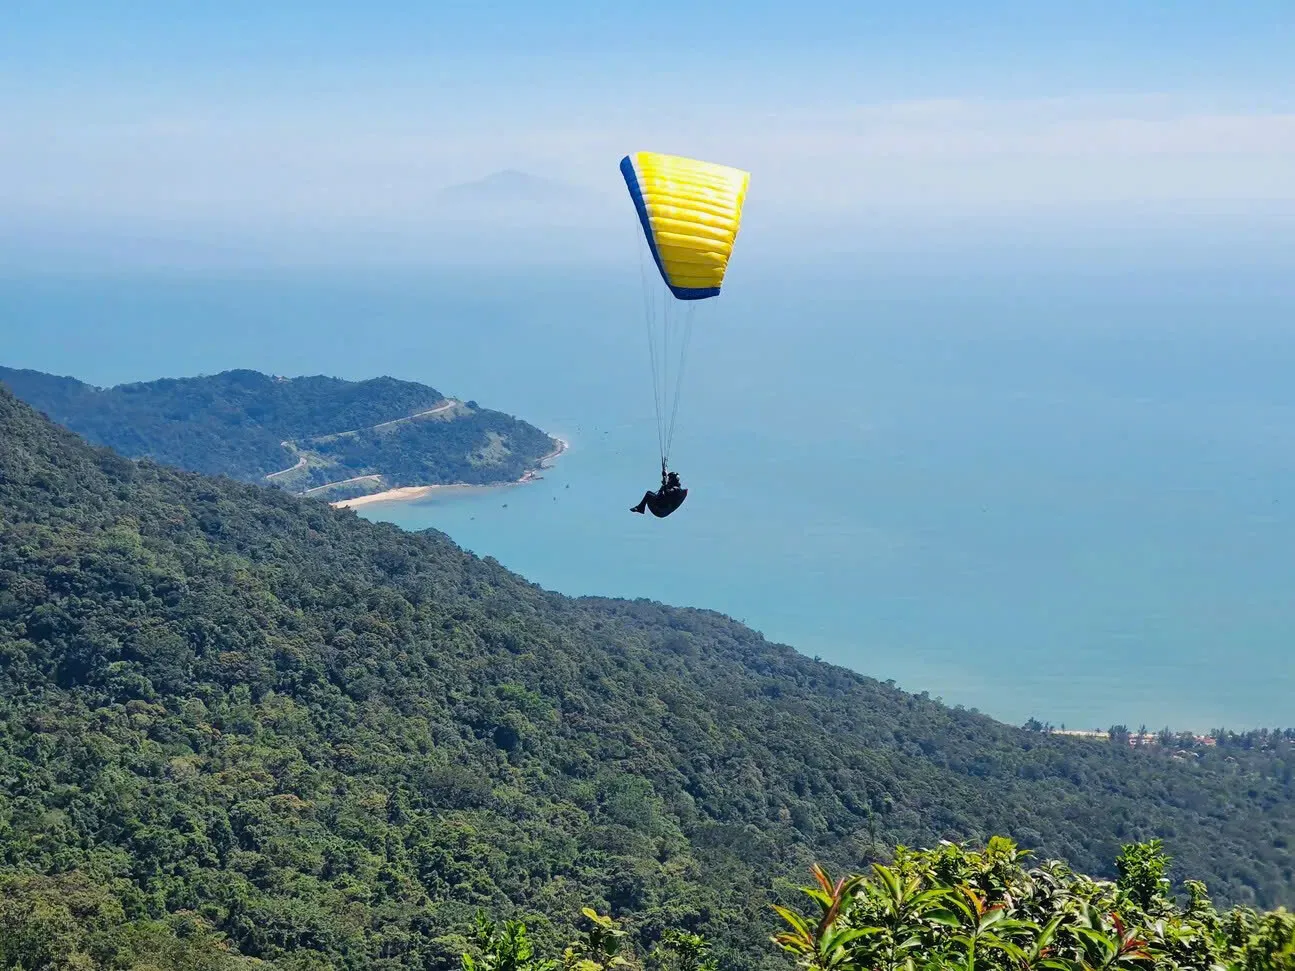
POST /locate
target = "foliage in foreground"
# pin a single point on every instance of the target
(949, 908)
(954, 909)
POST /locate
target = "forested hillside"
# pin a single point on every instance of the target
(318, 434)
(227, 710)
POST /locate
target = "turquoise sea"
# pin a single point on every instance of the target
(1033, 490)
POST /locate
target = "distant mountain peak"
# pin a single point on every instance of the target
(517, 187)
(515, 178)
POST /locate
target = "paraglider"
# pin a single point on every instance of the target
(689, 212)
(666, 499)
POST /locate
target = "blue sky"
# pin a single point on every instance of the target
(254, 121)
(920, 49)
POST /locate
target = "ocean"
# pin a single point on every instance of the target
(1064, 490)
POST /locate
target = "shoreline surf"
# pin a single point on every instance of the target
(408, 493)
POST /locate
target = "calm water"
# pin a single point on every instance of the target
(1034, 492)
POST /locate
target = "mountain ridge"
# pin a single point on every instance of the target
(315, 435)
(517, 184)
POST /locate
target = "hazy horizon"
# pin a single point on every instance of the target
(268, 137)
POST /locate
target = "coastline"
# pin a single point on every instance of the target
(408, 493)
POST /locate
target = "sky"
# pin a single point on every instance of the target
(244, 125)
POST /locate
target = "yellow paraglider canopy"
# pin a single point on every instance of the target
(690, 212)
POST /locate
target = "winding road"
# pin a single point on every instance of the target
(301, 462)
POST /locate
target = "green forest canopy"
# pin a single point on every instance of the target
(231, 711)
(255, 427)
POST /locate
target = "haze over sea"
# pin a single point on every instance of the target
(1053, 482)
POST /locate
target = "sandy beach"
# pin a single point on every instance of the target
(406, 493)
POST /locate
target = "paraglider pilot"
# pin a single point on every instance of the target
(666, 499)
